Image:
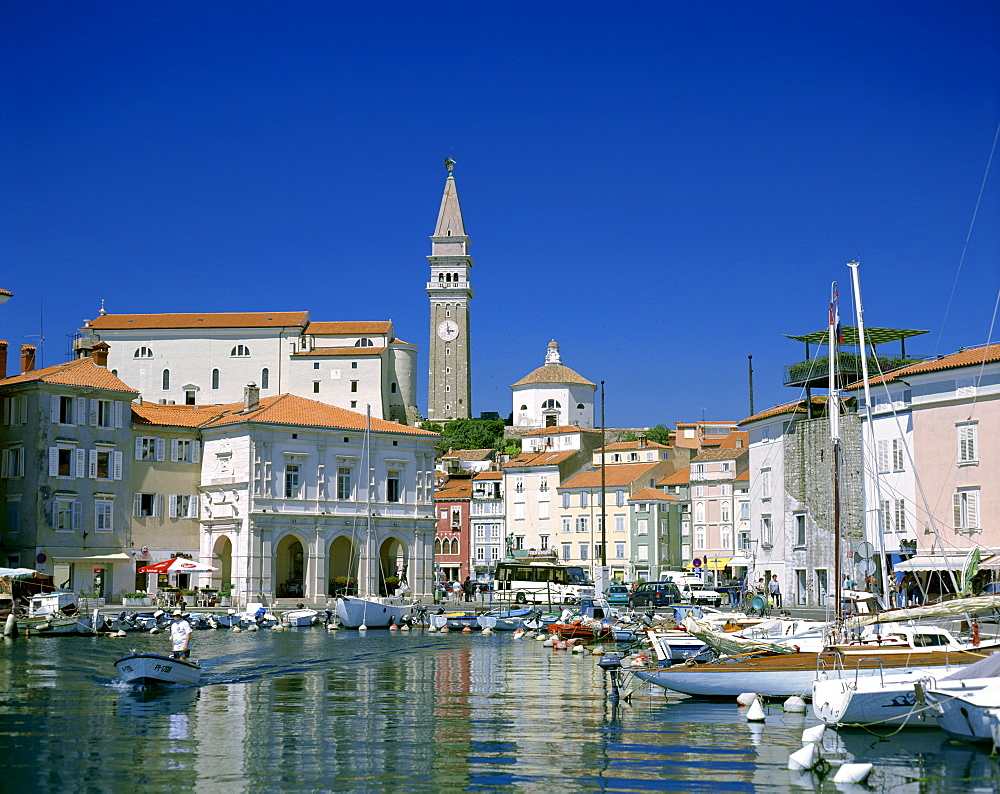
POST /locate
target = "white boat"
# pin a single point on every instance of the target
(257, 614)
(300, 617)
(372, 613)
(147, 669)
(970, 716)
(895, 700)
(55, 613)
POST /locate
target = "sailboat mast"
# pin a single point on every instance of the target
(833, 413)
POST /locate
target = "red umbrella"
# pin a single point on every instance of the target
(177, 565)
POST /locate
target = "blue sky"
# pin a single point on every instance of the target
(664, 188)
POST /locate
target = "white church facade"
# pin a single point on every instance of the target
(553, 396)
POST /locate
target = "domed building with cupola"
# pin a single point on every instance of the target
(553, 396)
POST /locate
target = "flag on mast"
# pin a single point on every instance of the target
(835, 314)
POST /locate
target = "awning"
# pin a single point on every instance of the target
(110, 559)
(710, 563)
(18, 573)
(740, 562)
(941, 562)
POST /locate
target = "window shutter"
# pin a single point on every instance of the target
(883, 455)
(24, 408)
(956, 503)
(54, 407)
(194, 506)
(160, 445)
(138, 448)
(81, 411)
(6, 410)
(81, 463)
(173, 505)
(93, 464)
(118, 413)
(93, 413)
(136, 504)
(972, 508)
(118, 465)
(76, 515)
(158, 506)
(173, 449)
(53, 461)
(4, 455)
(195, 451)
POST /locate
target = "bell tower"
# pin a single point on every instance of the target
(449, 392)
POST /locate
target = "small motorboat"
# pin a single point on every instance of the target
(300, 617)
(151, 669)
(506, 620)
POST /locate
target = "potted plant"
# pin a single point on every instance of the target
(343, 585)
(137, 600)
(225, 594)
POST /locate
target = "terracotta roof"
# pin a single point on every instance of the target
(680, 477)
(544, 458)
(736, 440)
(555, 431)
(705, 422)
(553, 373)
(353, 327)
(291, 409)
(745, 475)
(651, 494)
(348, 352)
(470, 454)
(614, 476)
(634, 445)
(488, 475)
(79, 372)
(175, 415)
(797, 407)
(458, 490)
(6, 293)
(969, 357)
(720, 454)
(195, 320)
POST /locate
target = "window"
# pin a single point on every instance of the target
(642, 553)
(619, 551)
(699, 511)
(765, 483)
(744, 541)
(494, 552)
(582, 524)
(518, 511)
(354, 386)
(543, 510)
(63, 410)
(147, 504)
(147, 448)
(566, 551)
(183, 506)
(744, 511)
(565, 500)
(437, 547)
(967, 438)
(901, 515)
(724, 512)
(344, 489)
(966, 509)
(619, 498)
(392, 387)
(619, 523)
(185, 450)
(66, 462)
(142, 352)
(103, 518)
(15, 409)
(543, 483)
(699, 538)
(66, 515)
(642, 527)
(567, 524)
(800, 529)
(215, 379)
(519, 484)
(543, 542)
(392, 489)
(699, 490)
(292, 481)
(886, 513)
(364, 342)
(456, 517)
(583, 550)
(240, 351)
(105, 464)
(766, 536)
(727, 538)
(189, 398)
(583, 498)
(105, 413)
(316, 387)
(265, 378)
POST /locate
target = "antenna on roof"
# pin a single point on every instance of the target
(40, 336)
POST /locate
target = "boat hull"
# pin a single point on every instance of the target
(972, 717)
(373, 614)
(300, 617)
(153, 669)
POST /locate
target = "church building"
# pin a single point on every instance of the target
(553, 396)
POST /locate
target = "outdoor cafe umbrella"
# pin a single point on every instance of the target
(177, 565)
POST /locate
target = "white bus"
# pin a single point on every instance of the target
(542, 581)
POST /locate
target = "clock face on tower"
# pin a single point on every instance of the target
(448, 330)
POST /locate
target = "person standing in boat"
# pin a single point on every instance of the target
(775, 590)
(180, 636)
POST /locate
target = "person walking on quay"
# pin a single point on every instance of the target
(775, 590)
(467, 588)
(456, 592)
(180, 636)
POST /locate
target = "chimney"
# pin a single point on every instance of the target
(643, 441)
(27, 358)
(3, 359)
(251, 397)
(100, 354)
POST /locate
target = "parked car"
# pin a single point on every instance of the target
(693, 589)
(654, 594)
(617, 594)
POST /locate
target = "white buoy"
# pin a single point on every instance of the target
(597, 651)
(487, 631)
(154, 630)
(332, 627)
(813, 734)
(405, 627)
(120, 633)
(852, 773)
(746, 698)
(467, 630)
(518, 633)
(10, 627)
(804, 758)
(237, 629)
(541, 638)
(578, 649)
(756, 712)
(362, 627)
(794, 705)
(253, 627)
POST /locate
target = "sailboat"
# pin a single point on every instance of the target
(369, 610)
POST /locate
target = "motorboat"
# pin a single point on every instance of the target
(506, 619)
(55, 613)
(300, 617)
(455, 621)
(149, 669)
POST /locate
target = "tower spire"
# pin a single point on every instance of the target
(449, 222)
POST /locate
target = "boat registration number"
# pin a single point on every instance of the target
(164, 668)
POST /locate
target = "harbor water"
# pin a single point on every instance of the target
(311, 710)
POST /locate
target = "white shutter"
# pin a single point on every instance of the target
(972, 508)
(76, 515)
(173, 449)
(138, 448)
(118, 412)
(118, 465)
(956, 504)
(54, 407)
(136, 504)
(193, 513)
(53, 461)
(93, 464)
(160, 445)
(883, 455)
(81, 463)
(158, 505)
(195, 451)
(173, 505)
(81, 411)
(6, 410)
(93, 413)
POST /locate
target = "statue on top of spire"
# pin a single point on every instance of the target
(449, 163)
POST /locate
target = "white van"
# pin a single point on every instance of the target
(692, 588)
